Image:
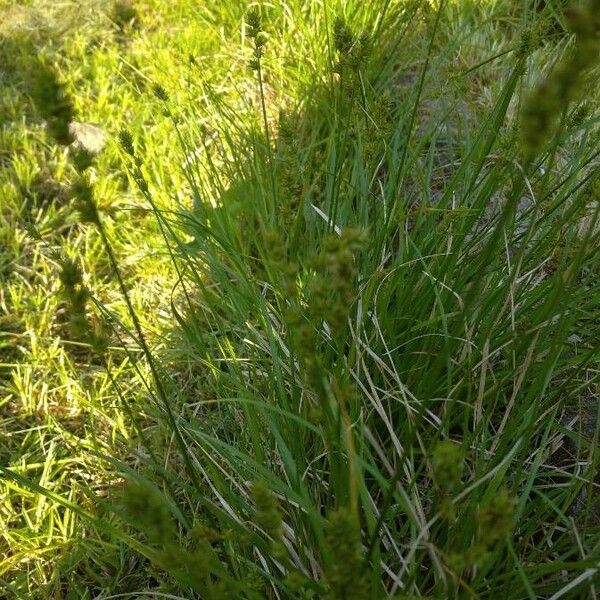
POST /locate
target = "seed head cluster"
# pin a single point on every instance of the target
(566, 80)
(257, 35)
(353, 52)
(345, 576)
(53, 102)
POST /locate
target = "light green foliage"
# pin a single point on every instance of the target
(58, 409)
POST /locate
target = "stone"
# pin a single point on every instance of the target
(88, 137)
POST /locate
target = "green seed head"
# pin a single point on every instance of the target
(147, 510)
(267, 515)
(160, 92)
(496, 519)
(70, 273)
(447, 464)
(83, 194)
(254, 23)
(126, 141)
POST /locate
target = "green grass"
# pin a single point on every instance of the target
(57, 403)
(352, 311)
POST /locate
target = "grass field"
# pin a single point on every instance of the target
(320, 320)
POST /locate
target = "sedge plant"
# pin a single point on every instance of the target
(387, 308)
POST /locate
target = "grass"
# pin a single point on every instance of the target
(58, 405)
(351, 296)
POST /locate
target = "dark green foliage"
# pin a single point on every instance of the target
(160, 93)
(371, 338)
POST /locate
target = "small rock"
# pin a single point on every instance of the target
(88, 137)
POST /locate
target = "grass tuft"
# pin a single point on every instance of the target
(324, 327)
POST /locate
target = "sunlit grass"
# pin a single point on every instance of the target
(59, 410)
